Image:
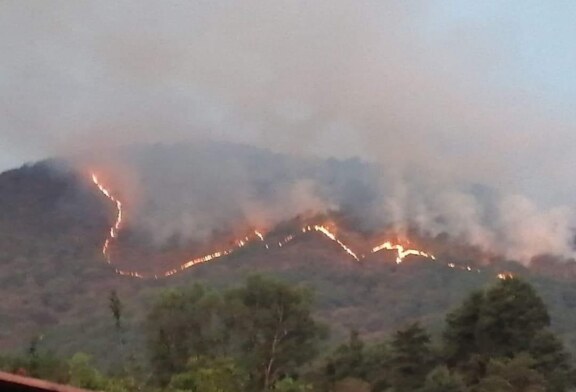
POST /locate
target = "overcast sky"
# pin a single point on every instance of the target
(483, 90)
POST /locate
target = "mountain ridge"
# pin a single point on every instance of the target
(55, 281)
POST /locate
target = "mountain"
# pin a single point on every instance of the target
(55, 281)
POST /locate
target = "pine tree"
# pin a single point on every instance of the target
(348, 360)
(553, 361)
(460, 335)
(411, 359)
(511, 316)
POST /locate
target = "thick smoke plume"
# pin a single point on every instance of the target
(435, 99)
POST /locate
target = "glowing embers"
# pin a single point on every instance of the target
(216, 255)
(463, 267)
(402, 252)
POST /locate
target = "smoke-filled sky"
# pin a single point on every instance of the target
(440, 93)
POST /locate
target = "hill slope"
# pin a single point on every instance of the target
(55, 282)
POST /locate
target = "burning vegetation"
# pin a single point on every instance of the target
(328, 230)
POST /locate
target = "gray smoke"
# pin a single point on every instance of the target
(435, 99)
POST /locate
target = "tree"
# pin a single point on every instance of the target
(116, 308)
(553, 361)
(348, 360)
(441, 380)
(38, 363)
(205, 374)
(516, 374)
(511, 316)
(411, 358)
(183, 324)
(376, 359)
(460, 334)
(265, 325)
(273, 322)
(499, 322)
(504, 322)
(83, 375)
(289, 384)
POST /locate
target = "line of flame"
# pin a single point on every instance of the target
(402, 252)
(324, 230)
(115, 228)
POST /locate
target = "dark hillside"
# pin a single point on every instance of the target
(55, 283)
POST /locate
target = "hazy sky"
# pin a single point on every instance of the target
(443, 94)
(476, 89)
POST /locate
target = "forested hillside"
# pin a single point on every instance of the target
(262, 335)
(56, 284)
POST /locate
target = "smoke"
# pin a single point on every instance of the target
(509, 225)
(194, 191)
(440, 97)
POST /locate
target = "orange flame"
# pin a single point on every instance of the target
(401, 251)
(505, 276)
(114, 229)
(324, 230)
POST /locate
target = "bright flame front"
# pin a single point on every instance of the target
(401, 251)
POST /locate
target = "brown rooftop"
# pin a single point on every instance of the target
(14, 383)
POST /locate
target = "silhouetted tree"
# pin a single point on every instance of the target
(116, 308)
(183, 324)
(411, 358)
(347, 360)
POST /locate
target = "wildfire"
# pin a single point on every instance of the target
(117, 223)
(505, 276)
(401, 252)
(324, 230)
(464, 268)
(196, 261)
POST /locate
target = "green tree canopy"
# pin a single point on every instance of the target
(274, 323)
(441, 380)
(347, 360)
(411, 358)
(501, 323)
(516, 374)
(205, 374)
(265, 325)
(511, 315)
(183, 324)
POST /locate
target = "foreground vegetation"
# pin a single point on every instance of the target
(262, 336)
